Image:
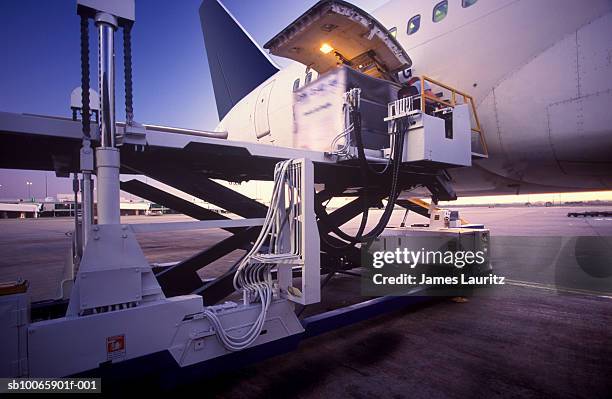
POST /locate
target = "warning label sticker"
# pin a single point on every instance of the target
(115, 347)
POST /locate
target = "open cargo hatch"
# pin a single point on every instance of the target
(333, 33)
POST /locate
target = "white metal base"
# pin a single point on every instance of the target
(113, 273)
(195, 340)
(66, 346)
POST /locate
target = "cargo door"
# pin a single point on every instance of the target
(262, 122)
(334, 33)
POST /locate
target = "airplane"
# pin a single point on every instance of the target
(540, 73)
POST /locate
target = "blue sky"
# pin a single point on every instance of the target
(41, 64)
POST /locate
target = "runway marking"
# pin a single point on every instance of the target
(549, 287)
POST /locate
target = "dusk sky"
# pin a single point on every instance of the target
(172, 85)
(41, 65)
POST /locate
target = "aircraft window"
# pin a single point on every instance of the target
(308, 78)
(440, 11)
(393, 31)
(468, 3)
(296, 84)
(414, 24)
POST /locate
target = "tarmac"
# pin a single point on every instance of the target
(546, 332)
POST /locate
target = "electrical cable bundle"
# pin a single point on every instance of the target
(343, 151)
(399, 130)
(253, 275)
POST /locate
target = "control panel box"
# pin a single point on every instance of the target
(444, 139)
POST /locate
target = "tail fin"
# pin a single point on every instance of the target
(237, 64)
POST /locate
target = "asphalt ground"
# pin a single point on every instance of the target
(545, 333)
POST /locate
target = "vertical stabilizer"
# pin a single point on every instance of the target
(237, 64)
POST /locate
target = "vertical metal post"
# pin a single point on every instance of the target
(106, 25)
(423, 95)
(87, 204)
(87, 167)
(78, 238)
(107, 155)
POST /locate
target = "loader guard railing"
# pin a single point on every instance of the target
(479, 145)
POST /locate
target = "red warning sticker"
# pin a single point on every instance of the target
(115, 347)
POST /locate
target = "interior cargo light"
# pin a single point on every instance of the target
(326, 48)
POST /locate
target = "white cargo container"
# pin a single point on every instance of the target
(318, 109)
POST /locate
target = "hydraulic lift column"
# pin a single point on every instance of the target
(107, 155)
